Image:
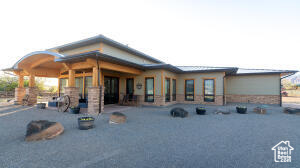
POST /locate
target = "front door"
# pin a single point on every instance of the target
(111, 92)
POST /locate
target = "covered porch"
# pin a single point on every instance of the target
(90, 79)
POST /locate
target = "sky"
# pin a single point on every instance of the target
(234, 33)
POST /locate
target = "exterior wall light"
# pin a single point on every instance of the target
(139, 86)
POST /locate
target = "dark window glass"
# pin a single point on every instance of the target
(130, 87)
(189, 90)
(174, 90)
(209, 90)
(149, 89)
(167, 90)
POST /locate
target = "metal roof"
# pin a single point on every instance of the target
(205, 68)
(106, 40)
(243, 71)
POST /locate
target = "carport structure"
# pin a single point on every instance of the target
(88, 65)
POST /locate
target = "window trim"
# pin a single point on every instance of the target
(145, 95)
(203, 89)
(185, 98)
(167, 78)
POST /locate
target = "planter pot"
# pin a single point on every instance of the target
(200, 111)
(241, 110)
(85, 123)
(41, 105)
(74, 110)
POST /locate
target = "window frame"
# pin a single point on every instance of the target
(214, 89)
(185, 94)
(145, 90)
(126, 83)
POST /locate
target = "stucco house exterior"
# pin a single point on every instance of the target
(84, 67)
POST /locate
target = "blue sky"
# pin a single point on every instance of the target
(247, 34)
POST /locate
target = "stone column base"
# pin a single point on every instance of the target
(73, 93)
(94, 100)
(19, 94)
(32, 92)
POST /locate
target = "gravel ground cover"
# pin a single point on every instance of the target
(151, 138)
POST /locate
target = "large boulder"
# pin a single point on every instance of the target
(43, 129)
(223, 111)
(289, 110)
(179, 112)
(117, 118)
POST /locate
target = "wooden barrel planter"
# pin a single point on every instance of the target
(41, 105)
(85, 123)
(74, 110)
(200, 110)
(241, 109)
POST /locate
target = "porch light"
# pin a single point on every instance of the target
(139, 85)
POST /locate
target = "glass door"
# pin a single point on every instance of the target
(111, 91)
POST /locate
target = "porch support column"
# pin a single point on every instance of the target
(31, 80)
(32, 91)
(71, 90)
(95, 77)
(94, 100)
(20, 90)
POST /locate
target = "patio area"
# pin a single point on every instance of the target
(151, 138)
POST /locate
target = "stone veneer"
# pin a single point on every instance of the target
(19, 94)
(261, 99)
(94, 99)
(32, 92)
(73, 93)
(199, 99)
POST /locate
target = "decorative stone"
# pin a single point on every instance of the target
(117, 118)
(179, 112)
(33, 93)
(223, 111)
(43, 129)
(94, 100)
(289, 110)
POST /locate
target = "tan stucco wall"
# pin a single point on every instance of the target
(253, 85)
(112, 51)
(141, 79)
(198, 77)
(88, 48)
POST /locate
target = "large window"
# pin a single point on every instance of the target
(174, 89)
(87, 83)
(209, 90)
(79, 84)
(189, 90)
(149, 89)
(167, 90)
(130, 87)
(62, 84)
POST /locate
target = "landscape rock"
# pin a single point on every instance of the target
(179, 112)
(117, 118)
(289, 110)
(43, 129)
(260, 110)
(223, 111)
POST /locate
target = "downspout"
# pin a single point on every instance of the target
(100, 92)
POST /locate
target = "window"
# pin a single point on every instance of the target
(189, 90)
(130, 87)
(87, 83)
(62, 84)
(79, 84)
(149, 89)
(209, 90)
(167, 90)
(174, 89)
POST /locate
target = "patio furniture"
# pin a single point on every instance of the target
(179, 112)
(41, 105)
(200, 110)
(117, 118)
(25, 100)
(127, 99)
(63, 103)
(85, 123)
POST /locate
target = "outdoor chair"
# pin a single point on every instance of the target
(25, 100)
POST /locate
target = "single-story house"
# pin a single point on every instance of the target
(99, 63)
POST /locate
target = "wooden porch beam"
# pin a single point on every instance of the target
(41, 61)
(71, 81)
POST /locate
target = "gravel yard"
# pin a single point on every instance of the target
(151, 138)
